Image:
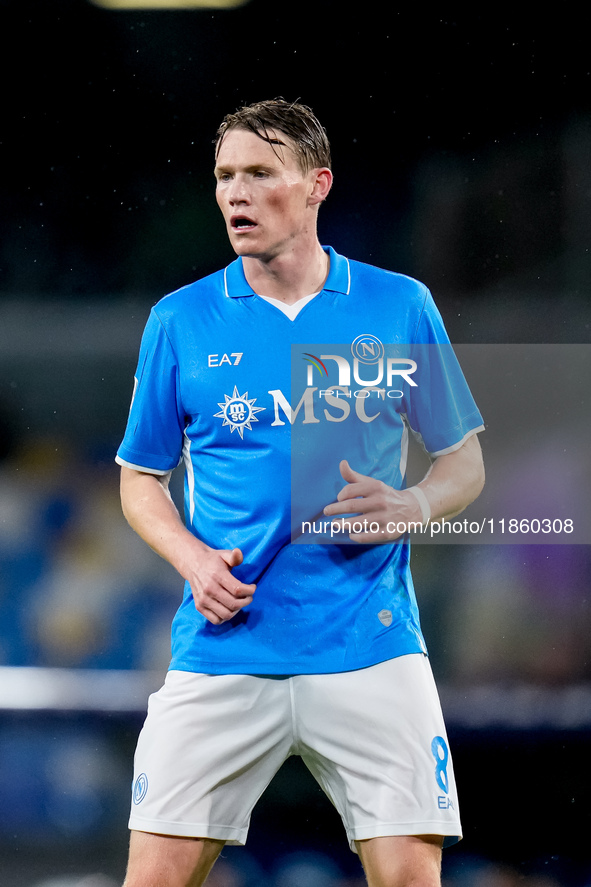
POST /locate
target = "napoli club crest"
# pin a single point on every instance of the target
(140, 788)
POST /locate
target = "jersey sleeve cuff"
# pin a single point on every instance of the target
(142, 468)
(457, 445)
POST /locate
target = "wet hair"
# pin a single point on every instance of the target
(298, 122)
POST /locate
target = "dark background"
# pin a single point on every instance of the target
(458, 132)
(461, 153)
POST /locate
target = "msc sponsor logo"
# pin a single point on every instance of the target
(238, 412)
(336, 397)
(333, 403)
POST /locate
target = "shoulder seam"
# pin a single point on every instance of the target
(421, 312)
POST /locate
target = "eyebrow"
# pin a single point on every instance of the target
(218, 170)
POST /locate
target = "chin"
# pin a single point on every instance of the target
(248, 250)
(240, 244)
(242, 249)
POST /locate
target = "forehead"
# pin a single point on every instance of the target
(241, 147)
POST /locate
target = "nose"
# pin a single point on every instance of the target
(238, 191)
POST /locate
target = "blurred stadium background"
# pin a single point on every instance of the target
(462, 149)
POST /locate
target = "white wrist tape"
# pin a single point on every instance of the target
(423, 503)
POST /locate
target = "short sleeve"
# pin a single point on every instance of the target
(440, 409)
(154, 435)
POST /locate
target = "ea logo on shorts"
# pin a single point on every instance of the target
(140, 788)
(367, 348)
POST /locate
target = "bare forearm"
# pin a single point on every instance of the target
(149, 509)
(454, 480)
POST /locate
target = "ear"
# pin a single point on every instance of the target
(321, 181)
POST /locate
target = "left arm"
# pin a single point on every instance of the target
(451, 484)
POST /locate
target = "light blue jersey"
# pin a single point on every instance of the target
(261, 409)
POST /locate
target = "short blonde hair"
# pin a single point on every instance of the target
(298, 122)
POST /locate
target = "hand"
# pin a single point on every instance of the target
(384, 512)
(218, 595)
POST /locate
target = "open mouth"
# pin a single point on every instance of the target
(242, 223)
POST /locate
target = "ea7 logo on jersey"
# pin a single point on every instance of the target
(238, 412)
(233, 359)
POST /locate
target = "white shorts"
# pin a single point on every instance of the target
(374, 739)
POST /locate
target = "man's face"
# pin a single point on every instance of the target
(264, 198)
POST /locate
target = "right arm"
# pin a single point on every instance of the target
(149, 509)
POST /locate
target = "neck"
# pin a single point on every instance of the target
(288, 277)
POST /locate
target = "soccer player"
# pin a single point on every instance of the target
(286, 643)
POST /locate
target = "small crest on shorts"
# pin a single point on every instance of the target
(140, 788)
(385, 617)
